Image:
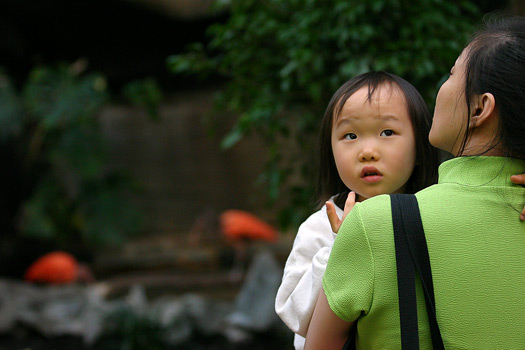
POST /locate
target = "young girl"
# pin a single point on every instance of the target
(373, 140)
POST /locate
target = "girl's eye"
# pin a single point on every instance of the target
(387, 133)
(350, 136)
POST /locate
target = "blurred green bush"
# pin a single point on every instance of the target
(283, 60)
(66, 190)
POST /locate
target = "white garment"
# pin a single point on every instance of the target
(303, 273)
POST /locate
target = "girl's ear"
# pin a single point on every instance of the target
(484, 109)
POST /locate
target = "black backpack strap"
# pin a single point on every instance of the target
(409, 236)
(406, 284)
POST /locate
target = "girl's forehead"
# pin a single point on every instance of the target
(386, 92)
(373, 94)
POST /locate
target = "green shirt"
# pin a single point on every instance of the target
(476, 245)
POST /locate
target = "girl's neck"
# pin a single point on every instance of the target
(359, 198)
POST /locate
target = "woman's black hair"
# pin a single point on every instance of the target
(495, 64)
(427, 161)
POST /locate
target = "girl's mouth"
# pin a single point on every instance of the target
(371, 174)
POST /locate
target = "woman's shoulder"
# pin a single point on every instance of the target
(373, 211)
(374, 204)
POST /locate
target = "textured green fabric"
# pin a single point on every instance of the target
(477, 253)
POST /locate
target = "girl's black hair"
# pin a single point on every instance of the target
(495, 64)
(427, 160)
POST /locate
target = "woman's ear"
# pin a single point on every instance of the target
(484, 109)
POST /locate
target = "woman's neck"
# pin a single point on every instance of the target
(483, 140)
(483, 149)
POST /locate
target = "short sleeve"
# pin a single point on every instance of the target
(349, 278)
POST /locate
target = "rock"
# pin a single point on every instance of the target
(254, 307)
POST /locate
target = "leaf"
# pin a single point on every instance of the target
(234, 136)
(82, 151)
(109, 215)
(145, 93)
(11, 114)
(56, 97)
(39, 213)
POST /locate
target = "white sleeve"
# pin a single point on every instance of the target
(303, 272)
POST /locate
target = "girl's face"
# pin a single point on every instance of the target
(449, 123)
(373, 142)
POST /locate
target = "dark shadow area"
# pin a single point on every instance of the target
(24, 338)
(119, 39)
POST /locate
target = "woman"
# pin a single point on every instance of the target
(476, 242)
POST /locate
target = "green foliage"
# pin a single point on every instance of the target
(132, 330)
(283, 60)
(145, 93)
(69, 193)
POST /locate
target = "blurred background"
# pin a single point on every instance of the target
(130, 129)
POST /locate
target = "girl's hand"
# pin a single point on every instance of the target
(519, 180)
(335, 222)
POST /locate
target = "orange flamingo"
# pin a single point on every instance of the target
(57, 268)
(239, 228)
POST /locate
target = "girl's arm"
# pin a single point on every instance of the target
(519, 180)
(326, 331)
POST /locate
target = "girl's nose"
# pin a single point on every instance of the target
(368, 154)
